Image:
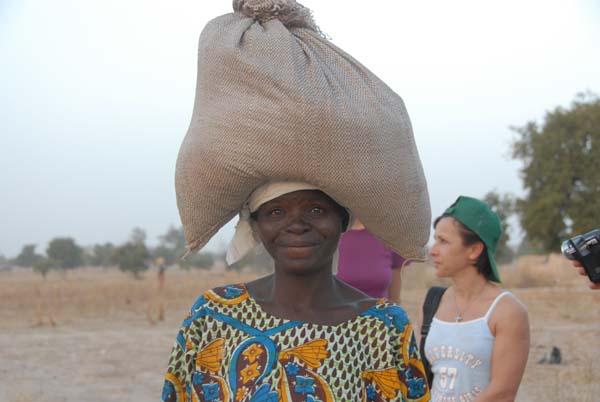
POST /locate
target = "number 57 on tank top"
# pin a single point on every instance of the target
(460, 354)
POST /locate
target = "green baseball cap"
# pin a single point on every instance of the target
(478, 217)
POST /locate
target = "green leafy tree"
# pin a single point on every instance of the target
(504, 206)
(133, 256)
(65, 252)
(101, 255)
(27, 257)
(561, 173)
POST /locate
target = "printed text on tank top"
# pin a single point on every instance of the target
(460, 356)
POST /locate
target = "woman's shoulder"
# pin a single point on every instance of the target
(390, 315)
(509, 302)
(224, 295)
(508, 310)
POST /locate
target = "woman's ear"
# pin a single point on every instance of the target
(475, 251)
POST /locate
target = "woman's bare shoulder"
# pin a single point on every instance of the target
(509, 311)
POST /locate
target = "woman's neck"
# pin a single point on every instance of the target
(469, 284)
(316, 298)
(302, 292)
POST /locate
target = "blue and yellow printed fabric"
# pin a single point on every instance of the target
(230, 350)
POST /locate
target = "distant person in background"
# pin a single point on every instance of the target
(161, 264)
(368, 265)
(581, 270)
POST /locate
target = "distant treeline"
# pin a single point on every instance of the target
(133, 256)
(560, 174)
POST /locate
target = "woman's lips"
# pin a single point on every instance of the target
(298, 245)
(298, 250)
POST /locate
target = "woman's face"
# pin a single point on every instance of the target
(300, 230)
(449, 254)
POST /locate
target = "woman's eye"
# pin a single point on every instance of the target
(276, 212)
(317, 210)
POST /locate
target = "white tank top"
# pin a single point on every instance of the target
(460, 354)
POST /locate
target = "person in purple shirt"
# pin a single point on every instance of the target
(368, 265)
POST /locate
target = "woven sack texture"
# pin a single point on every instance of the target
(275, 100)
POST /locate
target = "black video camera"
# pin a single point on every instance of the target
(585, 249)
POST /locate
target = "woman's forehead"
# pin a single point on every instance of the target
(447, 225)
(301, 196)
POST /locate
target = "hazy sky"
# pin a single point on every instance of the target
(96, 97)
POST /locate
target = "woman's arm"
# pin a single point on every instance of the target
(395, 285)
(510, 324)
(181, 365)
(411, 371)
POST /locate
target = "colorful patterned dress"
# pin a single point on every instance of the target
(231, 350)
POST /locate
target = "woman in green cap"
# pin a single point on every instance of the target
(478, 341)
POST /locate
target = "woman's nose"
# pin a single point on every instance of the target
(298, 224)
(432, 250)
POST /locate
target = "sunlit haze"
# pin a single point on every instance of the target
(96, 97)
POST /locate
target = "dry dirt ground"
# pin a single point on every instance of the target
(96, 335)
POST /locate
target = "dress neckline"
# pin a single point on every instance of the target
(260, 308)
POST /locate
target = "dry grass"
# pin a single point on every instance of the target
(108, 326)
(93, 293)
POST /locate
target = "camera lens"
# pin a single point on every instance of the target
(567, 249)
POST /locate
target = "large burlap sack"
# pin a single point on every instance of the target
(275, 100)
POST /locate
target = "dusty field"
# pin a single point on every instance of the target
(95, 335)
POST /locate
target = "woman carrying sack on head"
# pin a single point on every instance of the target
(295, 136)
(299, 334)
(478, 341)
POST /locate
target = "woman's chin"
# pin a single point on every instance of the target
(439, 272)
(298, 253)
(299, 264)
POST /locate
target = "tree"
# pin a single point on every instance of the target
(561, 173)
(504, 207)
(171, 246)
(101, 255)
(138, 236)
(200, 260)
(27, 257)
(132, 257)
(43, 266)
(65, 252)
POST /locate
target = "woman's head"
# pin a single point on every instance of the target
(283, 199)
(467, 233)
(301, 229)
